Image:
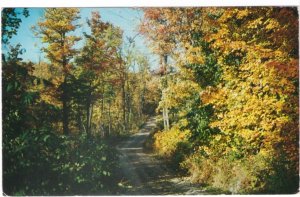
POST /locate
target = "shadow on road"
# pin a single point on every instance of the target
(143, 174)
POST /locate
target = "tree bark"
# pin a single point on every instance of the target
(65, 109)
(164, 86)
(109, 118)
(124, 100)
(88, 114)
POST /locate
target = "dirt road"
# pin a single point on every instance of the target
(143, 174)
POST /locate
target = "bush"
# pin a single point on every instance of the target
(90, 167)
(255, 174)
(199, 168)
(43, 163)
(166, 143)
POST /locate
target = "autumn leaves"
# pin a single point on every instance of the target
(249, 56)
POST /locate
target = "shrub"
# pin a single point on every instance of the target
(199, 168)
(43, 163)
(166, 143)
(254, 174)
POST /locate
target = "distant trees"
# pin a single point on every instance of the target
(156, 29)
(106, 83)
(97, 61)
(93, 84)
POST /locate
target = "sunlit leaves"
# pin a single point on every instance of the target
(245, 61)
(54, 29)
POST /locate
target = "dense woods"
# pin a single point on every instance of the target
(59, 113)
(226, 96)
(234, 95)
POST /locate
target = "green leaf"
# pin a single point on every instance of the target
(46, 137)
(9, 87)
(16, 84)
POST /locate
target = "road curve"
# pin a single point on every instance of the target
(143, 174)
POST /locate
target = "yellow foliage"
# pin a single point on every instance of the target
(255, 104)
(166, 142)
(178, 92)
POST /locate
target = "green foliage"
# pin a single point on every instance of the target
(11, 22)
(198, 120)
(37, 159)
(40, 162)
(16, 97)
(88, 166)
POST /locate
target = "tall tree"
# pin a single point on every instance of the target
(155, 27)
(54, 30)
(96, 61)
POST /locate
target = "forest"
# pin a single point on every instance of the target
(225, 98)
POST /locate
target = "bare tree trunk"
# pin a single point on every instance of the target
(164, 86)
(167, 119)
(164, 118)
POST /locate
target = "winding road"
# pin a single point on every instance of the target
(143, 174)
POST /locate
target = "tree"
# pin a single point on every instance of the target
(96, 61)
(251, 104)
(86, 86)
(155, 28)
(11, 22)
(54, 30)
(240, 59)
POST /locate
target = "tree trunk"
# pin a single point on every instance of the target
(164, 86)
(128, 106)
(109, 118)
(91, 118)
(80, 123)
(65, 109)
(65, 96)
(167, 119)
(102, 111)
(88, 114)
(124, 101)
(164, 118)
(143, 98)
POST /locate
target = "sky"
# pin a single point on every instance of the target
(127, 19)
